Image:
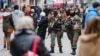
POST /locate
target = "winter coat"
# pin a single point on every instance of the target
(34, 17)
(43, 24)
(22, 43)
(7, 21)
(92, 12)
(89, 45)
(16, 14)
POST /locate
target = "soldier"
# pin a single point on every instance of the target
(56, 30)
(73, 29)
(51, 32)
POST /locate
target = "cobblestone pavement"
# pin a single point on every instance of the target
(65, 42)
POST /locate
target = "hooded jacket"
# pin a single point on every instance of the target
(92, 12)
(16, 14)
(89, 45)
(7, 21)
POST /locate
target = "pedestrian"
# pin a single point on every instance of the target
(77, 10)
(24, 39)
(16, 14)
(89, 41)
(92, 11)
(50, 14)
(43, 24)
(63, 14)
(27, 10)
(67, 10)
(46, 10)
(38, 11)
(7, 28)
(34, 17)
(73, 29)
(50, 22)
(84, 14)
(55, 30)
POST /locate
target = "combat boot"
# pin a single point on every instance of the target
(73, 51)
(60, 50)
(52, 50)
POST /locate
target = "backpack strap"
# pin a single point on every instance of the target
(34, 46)
(35, 43)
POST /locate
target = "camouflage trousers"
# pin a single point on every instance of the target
(73, 37)
(58, 34)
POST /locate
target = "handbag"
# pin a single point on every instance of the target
(9, 30)
(34, 48)
(36, 30)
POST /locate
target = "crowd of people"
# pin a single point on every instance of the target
(31, 23)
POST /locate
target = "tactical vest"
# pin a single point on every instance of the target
(73, 23)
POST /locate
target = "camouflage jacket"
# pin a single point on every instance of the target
(73, 23)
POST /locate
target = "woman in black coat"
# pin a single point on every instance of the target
(43, 24)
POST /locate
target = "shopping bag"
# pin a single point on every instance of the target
(9, 30)
(36, 30)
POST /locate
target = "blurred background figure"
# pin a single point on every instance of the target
(38, 11)
(92, 11)
(7, 27)
(16, 14)
(89, 41)
(46, 10)
(34, 17)
(63, 14)
(84, 14)
(77, 10)
(24, 39)
(27, 10)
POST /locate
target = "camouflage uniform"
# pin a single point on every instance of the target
(56, 31)
(73, 30)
